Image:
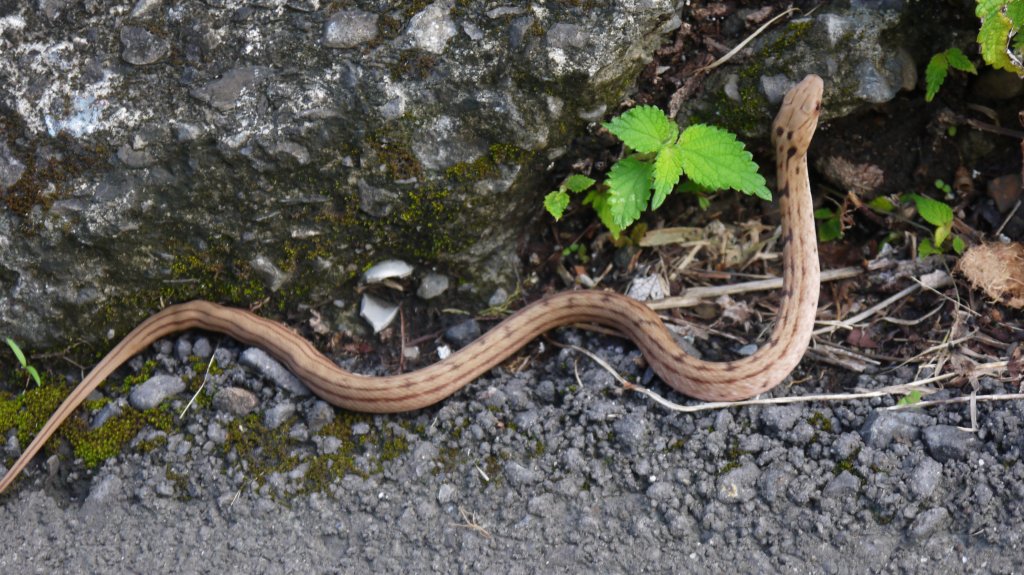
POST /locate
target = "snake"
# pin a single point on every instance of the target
(743, 378)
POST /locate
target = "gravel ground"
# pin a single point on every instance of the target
(551, 469)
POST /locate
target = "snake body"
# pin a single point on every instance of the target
(714, 381)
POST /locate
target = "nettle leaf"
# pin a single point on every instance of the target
(598, 199)
(935, 75)
(577, 183)
(555, 203)
(629, 189)
(714, 158)
(932, 211)
(645, 129)
(668, 167)
(992, 37)
(959, 61)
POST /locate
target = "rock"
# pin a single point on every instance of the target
(883, 427)
(842, 485)
(349, 28)
(201, 348)
(235, 400)
(631, 431)
(739, 484)
(104, 490)
(432, 285)
(142, 47)
(947, 443)
(446, 493)
(927, 523)
(154, 391)
(520, 476)
(319, 415)
(463, 333)
(925, 478)
(779, 418)
(108, 411)
(257, 359)
(11, 168)
(277, 415)
(862, 52)
(163, 146)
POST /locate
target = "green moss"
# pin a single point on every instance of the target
(820, 422)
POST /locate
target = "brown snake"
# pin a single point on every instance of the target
(713, 381)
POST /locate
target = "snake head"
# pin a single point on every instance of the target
(798, 117)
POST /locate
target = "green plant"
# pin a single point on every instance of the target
(1001, 45)
(32, 372)
(938, 67)
(657, 155)
(944, 187)
(939, 215)
(910, 399)
(829, 225)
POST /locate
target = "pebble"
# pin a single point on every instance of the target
(928, 522)
(520, 476)
(319, 415)
(349, 29)
(155, 390)
(201, 348)
(925, 478)
(463, 333)
(277, 415)
(258, 360)
(142, 47)
(631, 431)
(432, 285)
(235, 400)
(778, 418)
(884, 427)
(446, 493)
(841, 485)
(946, 443)
(739, 484)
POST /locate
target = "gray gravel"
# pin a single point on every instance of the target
(538, 471)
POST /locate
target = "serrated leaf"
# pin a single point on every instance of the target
(986, 8)
(668, 167)
(882, 204)
(959, 61)
(992, 37)
(935, 75)
(577, 183)
(17, 352)
(1015, 12)
(629, 189)
(932, 211)
(598, 200)
(555, 203)
(715, 159)
(644, 128)
(958, 245)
